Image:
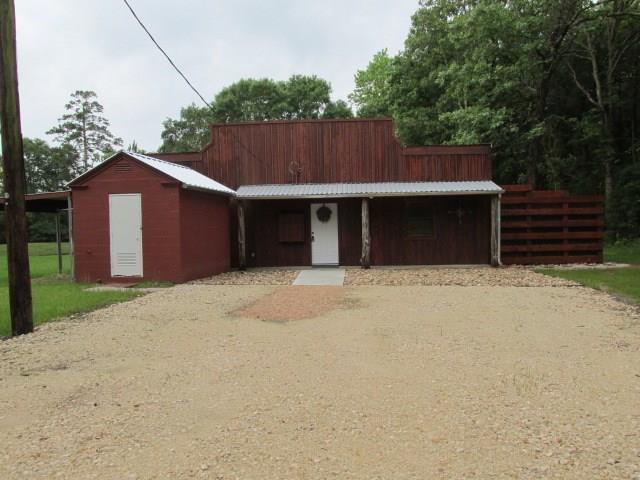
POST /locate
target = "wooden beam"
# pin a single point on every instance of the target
(365, 259)
(58, 242)
(72, 259)
(495, 231)
(14, 177)
(242, 242)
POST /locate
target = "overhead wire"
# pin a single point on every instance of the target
(166, 55)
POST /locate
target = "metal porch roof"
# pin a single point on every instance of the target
(380, 189)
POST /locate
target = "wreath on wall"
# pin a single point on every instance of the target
(323, 214)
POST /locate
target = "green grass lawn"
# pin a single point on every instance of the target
(623, 252)
(54, 295)
(622, 282)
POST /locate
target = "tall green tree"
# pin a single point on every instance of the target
(251, 100)
(85, 129)
(337, 109)
(608, 48)
(189, 132)
(371, 95)
(47, 168)
(305, 97)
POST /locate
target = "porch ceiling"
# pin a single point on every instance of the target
(43, 202)
(355, 190)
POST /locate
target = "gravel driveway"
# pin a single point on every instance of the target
(375, 382)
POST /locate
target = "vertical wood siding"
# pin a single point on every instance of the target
(454, 241)
(332, 151)
(464, 240)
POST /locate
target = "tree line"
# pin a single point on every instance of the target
(81, 139)
(553, 86)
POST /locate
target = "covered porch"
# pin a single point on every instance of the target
(56, 203)
(390, 223)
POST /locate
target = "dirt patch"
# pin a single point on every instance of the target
(460, 277)
(293, 303)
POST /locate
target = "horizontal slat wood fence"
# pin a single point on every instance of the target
(550, 226)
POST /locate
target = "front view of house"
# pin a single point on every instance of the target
(291, 193)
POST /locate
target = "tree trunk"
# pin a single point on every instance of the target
(608, 158)
(536, 157)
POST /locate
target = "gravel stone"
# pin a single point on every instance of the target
(463, 277)
(377, 382)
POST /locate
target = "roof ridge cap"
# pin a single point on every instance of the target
(134, 154)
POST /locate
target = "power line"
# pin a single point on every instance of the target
(240, 142)
(165, 53)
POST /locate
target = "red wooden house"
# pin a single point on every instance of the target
(310, 192)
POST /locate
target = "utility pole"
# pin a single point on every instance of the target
(14, 177)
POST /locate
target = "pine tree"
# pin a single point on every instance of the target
(85, 129)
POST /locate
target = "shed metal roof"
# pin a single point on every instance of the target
(185, 175)
(380, 189)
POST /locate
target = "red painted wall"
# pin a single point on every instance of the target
(164, 203)
(205, 236)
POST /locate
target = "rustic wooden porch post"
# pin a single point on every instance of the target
(495, 231)
(72, 259)
(58, 242)
(242, 244)
(365, 260)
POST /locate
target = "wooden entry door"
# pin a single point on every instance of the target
(324, 234)
(125, 234)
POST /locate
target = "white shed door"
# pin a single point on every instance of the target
(125, 231)
(324, 235)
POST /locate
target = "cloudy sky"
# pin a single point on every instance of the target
(66, 45)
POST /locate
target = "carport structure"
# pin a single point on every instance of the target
(51, 202)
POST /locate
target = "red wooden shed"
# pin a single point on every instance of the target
(140, 218)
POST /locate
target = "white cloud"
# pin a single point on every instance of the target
(68, 45)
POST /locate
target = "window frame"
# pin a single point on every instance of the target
(429, 210)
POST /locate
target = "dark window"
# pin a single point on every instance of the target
(419, 220)
(291, 228)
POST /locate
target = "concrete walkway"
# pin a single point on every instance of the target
(320, 276)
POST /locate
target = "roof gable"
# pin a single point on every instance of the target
(188, 177)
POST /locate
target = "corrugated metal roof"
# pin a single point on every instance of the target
(188, 176)
(381, 189)
(185, 175)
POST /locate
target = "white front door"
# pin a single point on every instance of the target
(324, 234)
(125, 232)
